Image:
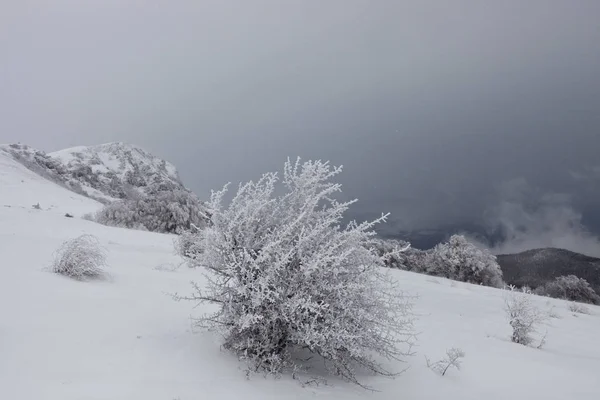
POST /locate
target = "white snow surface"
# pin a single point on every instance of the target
(22, 188)
(126, 338)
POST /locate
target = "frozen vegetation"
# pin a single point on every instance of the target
(124, 337)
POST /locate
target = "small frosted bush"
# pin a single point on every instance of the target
(578, 308)
(81, 258)
(452, 360)
(523, 316)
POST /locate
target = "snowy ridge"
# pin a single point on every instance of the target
(539, 266)
(106, 172)
(108, 167)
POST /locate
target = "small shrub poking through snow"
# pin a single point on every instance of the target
(186, 244)
(287, 278)
(578, 308)
(88, 216)
(552, 311)
(80, 258)
(452, 360)
(523, 316)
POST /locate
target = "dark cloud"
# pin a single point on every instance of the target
(430, 106)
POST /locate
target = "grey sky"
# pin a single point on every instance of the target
(432, 106)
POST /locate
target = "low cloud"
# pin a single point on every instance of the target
(526, 218)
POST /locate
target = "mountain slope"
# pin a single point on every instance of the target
(22, 188)
(114, 168)
(536, 267)
(125, 338)
(139, 190)
(106, 172)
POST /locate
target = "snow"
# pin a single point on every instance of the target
(68, 155)
(117, 159)
(22, 188)
(125, 337)
(110, 162)
(171, 170)
(96, 194)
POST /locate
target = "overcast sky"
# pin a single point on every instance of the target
(442, 112)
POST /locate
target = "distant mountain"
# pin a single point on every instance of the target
(536, 267)
(106, 172)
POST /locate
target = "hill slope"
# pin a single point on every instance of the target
(536, 267)
(125, 338)
(113, 168)
(21, 188)
(106, 172)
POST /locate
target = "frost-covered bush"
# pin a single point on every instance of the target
(80, 258)
(578, 308)
(523, 316)
(173, 211)
(570, 288)
(392, 252)
(124, 214)
(457, 259)
(287, 277)
(452, 360)
(416, 260)
(187, 244)
(461, 260)
(399, 254)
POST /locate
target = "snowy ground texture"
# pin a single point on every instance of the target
(125, 338)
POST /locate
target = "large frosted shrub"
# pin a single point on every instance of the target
(172, 211)
(570, 288)
(285, 277)
(460, 260)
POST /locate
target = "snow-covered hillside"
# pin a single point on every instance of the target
(125, 338)
(105, 172)
(107, 168)
(20, 188)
